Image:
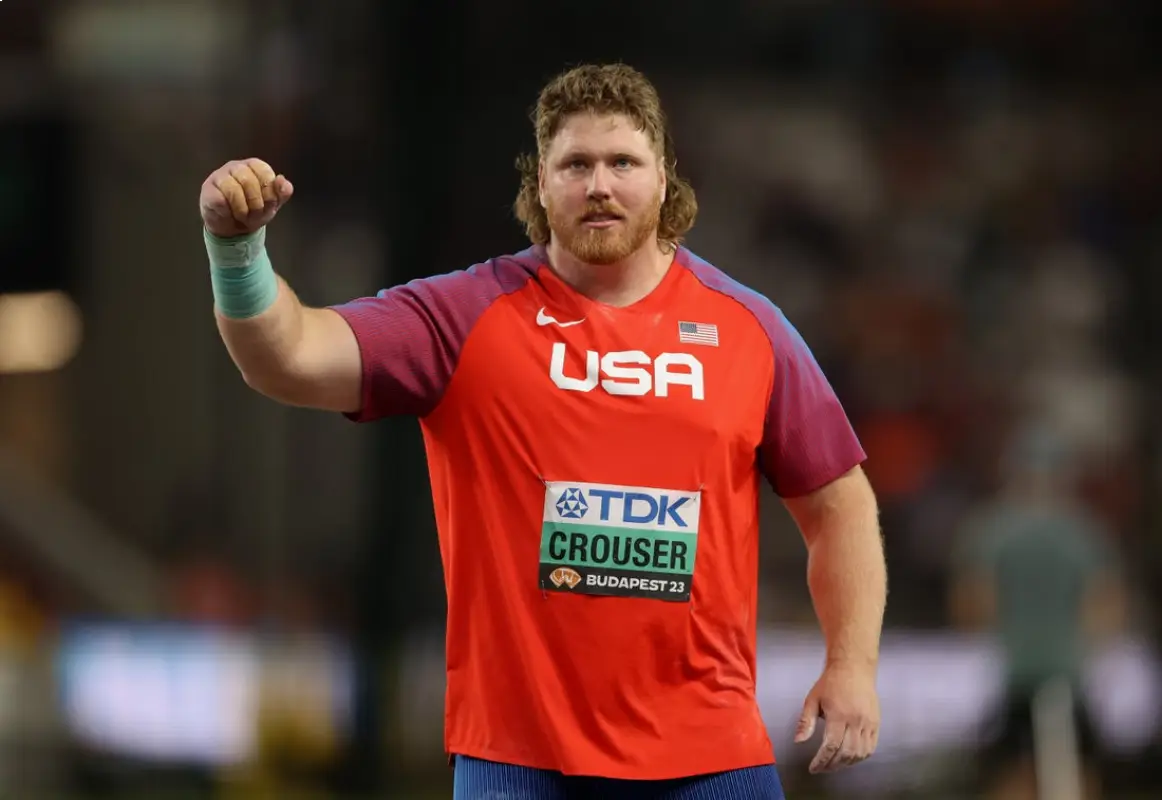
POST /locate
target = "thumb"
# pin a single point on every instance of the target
(806, 727)
(283, 188)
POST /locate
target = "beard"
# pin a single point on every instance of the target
(605, 245)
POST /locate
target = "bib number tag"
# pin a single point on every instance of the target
(620, 541)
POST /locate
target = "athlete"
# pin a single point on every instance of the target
(598, 411)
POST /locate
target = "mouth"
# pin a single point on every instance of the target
(600, 220)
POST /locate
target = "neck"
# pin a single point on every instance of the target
(619, 284)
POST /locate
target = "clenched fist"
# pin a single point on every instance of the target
(241, 196)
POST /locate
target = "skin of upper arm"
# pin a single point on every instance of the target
(328, 370)
(848, 497)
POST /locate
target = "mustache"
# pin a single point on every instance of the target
(602, 210)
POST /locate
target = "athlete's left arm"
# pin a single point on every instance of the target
(846, 571)
(812, 458)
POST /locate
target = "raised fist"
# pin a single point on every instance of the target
(241, 196)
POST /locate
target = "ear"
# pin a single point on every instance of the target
(665, 185)
(541, 182)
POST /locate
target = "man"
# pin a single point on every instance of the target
(1038, 570)
(597, 411)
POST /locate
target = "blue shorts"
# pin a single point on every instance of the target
(487, 780)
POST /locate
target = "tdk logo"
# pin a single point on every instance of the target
(630, 373)
(639, 508)
(572, 504)
(595, 506)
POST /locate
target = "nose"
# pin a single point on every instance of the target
(599, 183)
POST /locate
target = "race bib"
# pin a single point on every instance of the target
(623, 541)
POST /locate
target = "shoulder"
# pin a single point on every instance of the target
(444, 307)
(411, 336)
(758, 307)
(482, 283)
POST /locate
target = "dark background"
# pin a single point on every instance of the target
(956, 202)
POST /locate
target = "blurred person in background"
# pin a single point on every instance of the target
(616, 674)
(1038, 570)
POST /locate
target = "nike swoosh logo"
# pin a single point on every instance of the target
(544, 319)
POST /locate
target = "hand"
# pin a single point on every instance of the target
(845, 698)
(241, 196)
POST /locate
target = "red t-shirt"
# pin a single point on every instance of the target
(595, 472)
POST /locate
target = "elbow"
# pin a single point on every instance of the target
(256, 380)
(300, 389)
(277, 385)
(261, 382)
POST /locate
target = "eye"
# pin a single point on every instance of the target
(577, 165)
(623, 163)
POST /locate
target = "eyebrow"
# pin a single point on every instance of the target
(588, 155)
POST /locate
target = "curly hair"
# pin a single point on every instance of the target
(603, 89)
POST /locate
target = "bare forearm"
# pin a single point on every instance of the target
(263, 347)
(847, 576)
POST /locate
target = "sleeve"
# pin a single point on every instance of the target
(807, 438)
(410, 336)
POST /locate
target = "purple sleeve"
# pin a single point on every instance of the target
(807, 439)
(410, 336)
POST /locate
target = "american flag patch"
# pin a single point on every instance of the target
(698, 333)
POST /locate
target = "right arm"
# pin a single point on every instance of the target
(297, 355)
(388, 355)
(291, 353)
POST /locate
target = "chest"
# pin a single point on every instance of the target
(638, 384)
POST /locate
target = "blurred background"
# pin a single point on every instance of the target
(958, 202)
